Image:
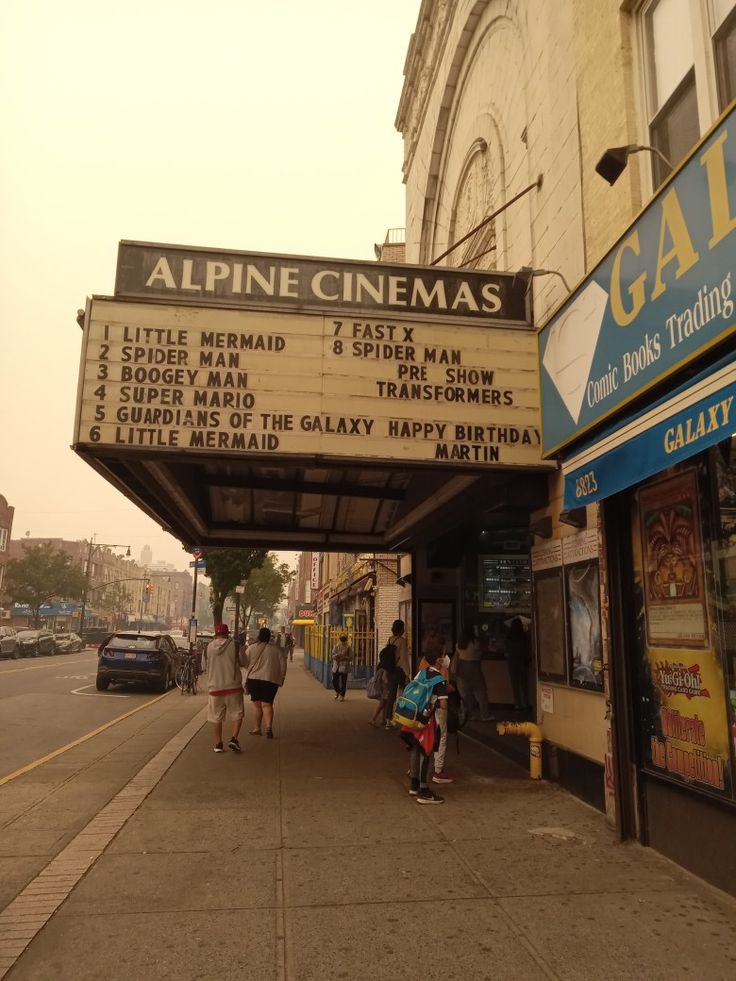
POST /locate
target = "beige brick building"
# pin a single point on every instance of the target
(507, 98)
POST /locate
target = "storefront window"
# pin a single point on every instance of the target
(683, 705)
(724, 462)
(567, 611)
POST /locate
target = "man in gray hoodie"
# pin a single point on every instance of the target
(225, 686)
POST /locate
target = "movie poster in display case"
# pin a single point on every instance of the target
(549, 611)
(682, 707)
(672, 552)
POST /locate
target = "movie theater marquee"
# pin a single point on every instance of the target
(234, 353)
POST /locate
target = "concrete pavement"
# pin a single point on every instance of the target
(305, 858)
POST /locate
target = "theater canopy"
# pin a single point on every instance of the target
(246, 399)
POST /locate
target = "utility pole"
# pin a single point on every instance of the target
(88, 568)
(239, 590)
(196, 555)
(144, 598)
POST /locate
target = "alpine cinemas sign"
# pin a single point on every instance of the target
(298, 283)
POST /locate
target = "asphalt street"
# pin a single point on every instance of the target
(48, 702)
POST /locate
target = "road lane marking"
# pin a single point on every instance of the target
(98, 694)
(78, 742)
(38, 667)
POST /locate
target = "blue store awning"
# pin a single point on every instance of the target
(694, 417)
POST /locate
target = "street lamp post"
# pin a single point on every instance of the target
(92, 546)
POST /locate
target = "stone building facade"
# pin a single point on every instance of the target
(507, 106)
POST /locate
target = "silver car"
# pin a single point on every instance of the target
(9, 643)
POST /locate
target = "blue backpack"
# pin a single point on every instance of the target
(414, 705)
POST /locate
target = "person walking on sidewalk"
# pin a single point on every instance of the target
(224, 686)
(342, 657)
(290, 645)
(400, 671)
(266, 664)
(468, 670)
(423, 743)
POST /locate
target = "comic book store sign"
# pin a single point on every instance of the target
(306, 381)
(662, 296)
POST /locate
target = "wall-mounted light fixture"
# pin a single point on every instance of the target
(613, 162)
(526, 274)
(575, 517)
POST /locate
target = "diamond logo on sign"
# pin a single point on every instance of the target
(571, 346)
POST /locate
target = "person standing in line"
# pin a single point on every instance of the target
(441, 664)
(400, 671)
(224, 686)
(342, 657)
(266, 664)
(384, 686)
(468, 670)
(423, 743)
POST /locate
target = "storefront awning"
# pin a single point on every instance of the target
(698, 415)
(302, 623)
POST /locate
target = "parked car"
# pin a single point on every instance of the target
(95, 635)
(68, 643)
(127, 656)
(36, 643)
(9, 643)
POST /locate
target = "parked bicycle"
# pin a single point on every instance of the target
(187, 672)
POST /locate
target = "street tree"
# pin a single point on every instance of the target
(226, 568)
(264, 589)
(42, 575)
(116, 601)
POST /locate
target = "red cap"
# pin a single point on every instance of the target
(222, 630)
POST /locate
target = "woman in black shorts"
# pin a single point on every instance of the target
(266, 666)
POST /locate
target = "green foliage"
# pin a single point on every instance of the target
(42, 575)
(226, 568)
(115, 600)
(264, 589)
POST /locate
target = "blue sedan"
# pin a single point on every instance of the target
(136, 657)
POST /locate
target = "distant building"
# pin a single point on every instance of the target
(146, 556)
(6, 527)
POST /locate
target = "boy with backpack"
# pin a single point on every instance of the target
(441, 664)
(415, 711)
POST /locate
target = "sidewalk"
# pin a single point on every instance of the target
(305, 858)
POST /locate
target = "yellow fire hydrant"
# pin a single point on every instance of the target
(534, 732)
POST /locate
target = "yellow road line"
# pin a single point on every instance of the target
(37, 667)
(77, 742)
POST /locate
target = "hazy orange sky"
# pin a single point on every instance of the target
(233, 124)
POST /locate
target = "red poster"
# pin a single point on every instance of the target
(672, 551)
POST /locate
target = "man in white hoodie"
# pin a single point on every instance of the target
(225, 686)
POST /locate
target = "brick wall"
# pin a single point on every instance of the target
(6, 526)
